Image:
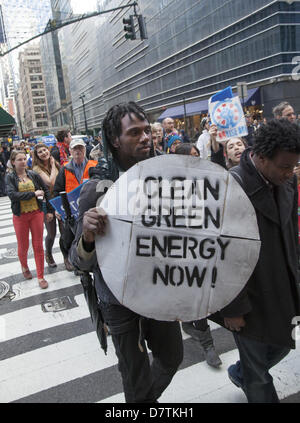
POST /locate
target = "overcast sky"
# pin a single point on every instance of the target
(83, 6)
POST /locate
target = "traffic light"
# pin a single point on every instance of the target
(129, 28)
(142, 27)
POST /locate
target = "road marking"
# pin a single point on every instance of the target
(58, 280)
(8, 222)
(52, 365)
(202, 384)
(14, 268)
(5, 216)
(32, 319)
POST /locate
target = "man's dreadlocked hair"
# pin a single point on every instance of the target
(277, 135)
(112, 126)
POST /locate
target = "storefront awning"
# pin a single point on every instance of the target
(198, 107)
(7, 122)
(253, 97)
(195, 108)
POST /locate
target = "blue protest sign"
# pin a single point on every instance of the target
(73, 197)
(226, 112)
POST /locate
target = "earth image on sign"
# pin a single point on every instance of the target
(181, 240)
(227, 114)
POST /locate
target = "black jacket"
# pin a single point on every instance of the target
(15, 196)
(270, 299)
(107, 169)
(89, 195)
(2, 164)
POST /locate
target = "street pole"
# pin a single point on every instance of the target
(184, 108)
(243, 98)
(83, 106)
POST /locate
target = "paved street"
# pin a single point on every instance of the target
(48, 356)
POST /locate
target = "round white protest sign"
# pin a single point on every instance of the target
(181, 240)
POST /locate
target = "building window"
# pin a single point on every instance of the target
(42, 124)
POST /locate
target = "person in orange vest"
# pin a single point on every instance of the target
(70, 176)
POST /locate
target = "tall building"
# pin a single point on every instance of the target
(21, 20)
(194, 49)
(54, 57)
(33, 96)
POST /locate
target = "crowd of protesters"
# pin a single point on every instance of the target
(259, 318)
(30, 175)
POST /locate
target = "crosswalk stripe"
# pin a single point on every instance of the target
(46, 367)
(11, 241)
(33, 319)
(4, 231)
(58, 280)
(5, 216)
(10, 269)
(202, 384)
(7, 222)
(14, 245)
(5, 240)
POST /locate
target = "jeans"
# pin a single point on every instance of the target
(256, 359)
(142, 382)
(51, 234)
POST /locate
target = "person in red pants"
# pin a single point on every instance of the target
(28, 193)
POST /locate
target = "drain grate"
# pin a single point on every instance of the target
(4, 288)
(59, 304)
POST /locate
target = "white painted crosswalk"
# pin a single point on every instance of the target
(56, 357)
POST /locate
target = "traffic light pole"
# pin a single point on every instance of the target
(53, 25)
(83, 106)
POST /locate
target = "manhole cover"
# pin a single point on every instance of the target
(59, 304)
(13, 253)
(4, 288)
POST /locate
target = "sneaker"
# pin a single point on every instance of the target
(43, 283)
(68, 265)
(234, 374)
(50, 260)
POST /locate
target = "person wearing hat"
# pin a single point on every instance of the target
(71, 175)
(172, 143)
(204, 142)
(74, 172)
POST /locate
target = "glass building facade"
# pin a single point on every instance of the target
(54, 67)
(195, 48)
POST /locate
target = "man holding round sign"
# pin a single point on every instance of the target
(127, 134)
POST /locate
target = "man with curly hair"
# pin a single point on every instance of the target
(261, 316)
(127, 140)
